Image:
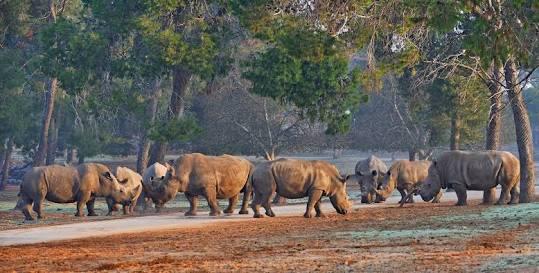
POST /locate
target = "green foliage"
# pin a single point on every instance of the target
(305, 68)
(462, 96)
(178, 129)
(490, 35)
(71, 54)
(14, 20)
(19, 110)
(187, 39)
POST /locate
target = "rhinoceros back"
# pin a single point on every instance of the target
(295, 178)
(228, 174)
(61, 183)
(366, 166)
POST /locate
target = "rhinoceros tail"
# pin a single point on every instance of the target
(248, 188)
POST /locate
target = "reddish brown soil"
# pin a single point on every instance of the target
(294, 244)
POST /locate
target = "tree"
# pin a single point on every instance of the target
(523, 132)
(509, 28)
(185, 35)
(306, 68)
(236, 121)
(17, 110)
(50, 95)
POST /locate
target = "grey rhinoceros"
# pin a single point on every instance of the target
(478, 171)
(214, 177)
(292, 178)
(60, 184)
(405, 176)
(370, 174)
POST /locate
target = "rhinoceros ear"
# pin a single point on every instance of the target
(434, 163)
(374, 172)
(135, 190)
(342, 178)
(107, 175)
(359, 173)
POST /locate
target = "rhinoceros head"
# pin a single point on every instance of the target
(111, 187)
(389, 182)
(369, 183)
(432, 184)
(339, 198)
(163, 189)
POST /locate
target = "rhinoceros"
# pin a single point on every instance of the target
(478, 171)
(155, 172)
(132, 181)
(405, 175)
(214, 177)
(370, 173)
(292, 178)
(61, 184)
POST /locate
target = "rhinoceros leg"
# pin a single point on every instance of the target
(255, 205)
(460, 190)
(38, 208)
(403, 194)
(27, 203)
(314, 197)
(319, 212)
(504, 195)
(232, 203)
(84, 197)
(267, 207)
(193, 204)
(247, 192)
(110, 205)
(125, 209)
(90, 207)
(515, 195)
(211, 197)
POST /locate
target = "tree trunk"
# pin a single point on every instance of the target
(523, 132)
(53, 141)
(412, 154)
(39, 158)
(151, 112)
(143, 154)
(180, 81)
(70, 158)
(7, 161)
(81, 158)
(269, 155)
(494, 125)
(455, 131)
(2, 155)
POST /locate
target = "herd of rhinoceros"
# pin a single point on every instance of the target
(225, 177)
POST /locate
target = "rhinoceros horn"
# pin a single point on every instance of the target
(408, 196)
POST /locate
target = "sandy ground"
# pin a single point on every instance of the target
(421, 237)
